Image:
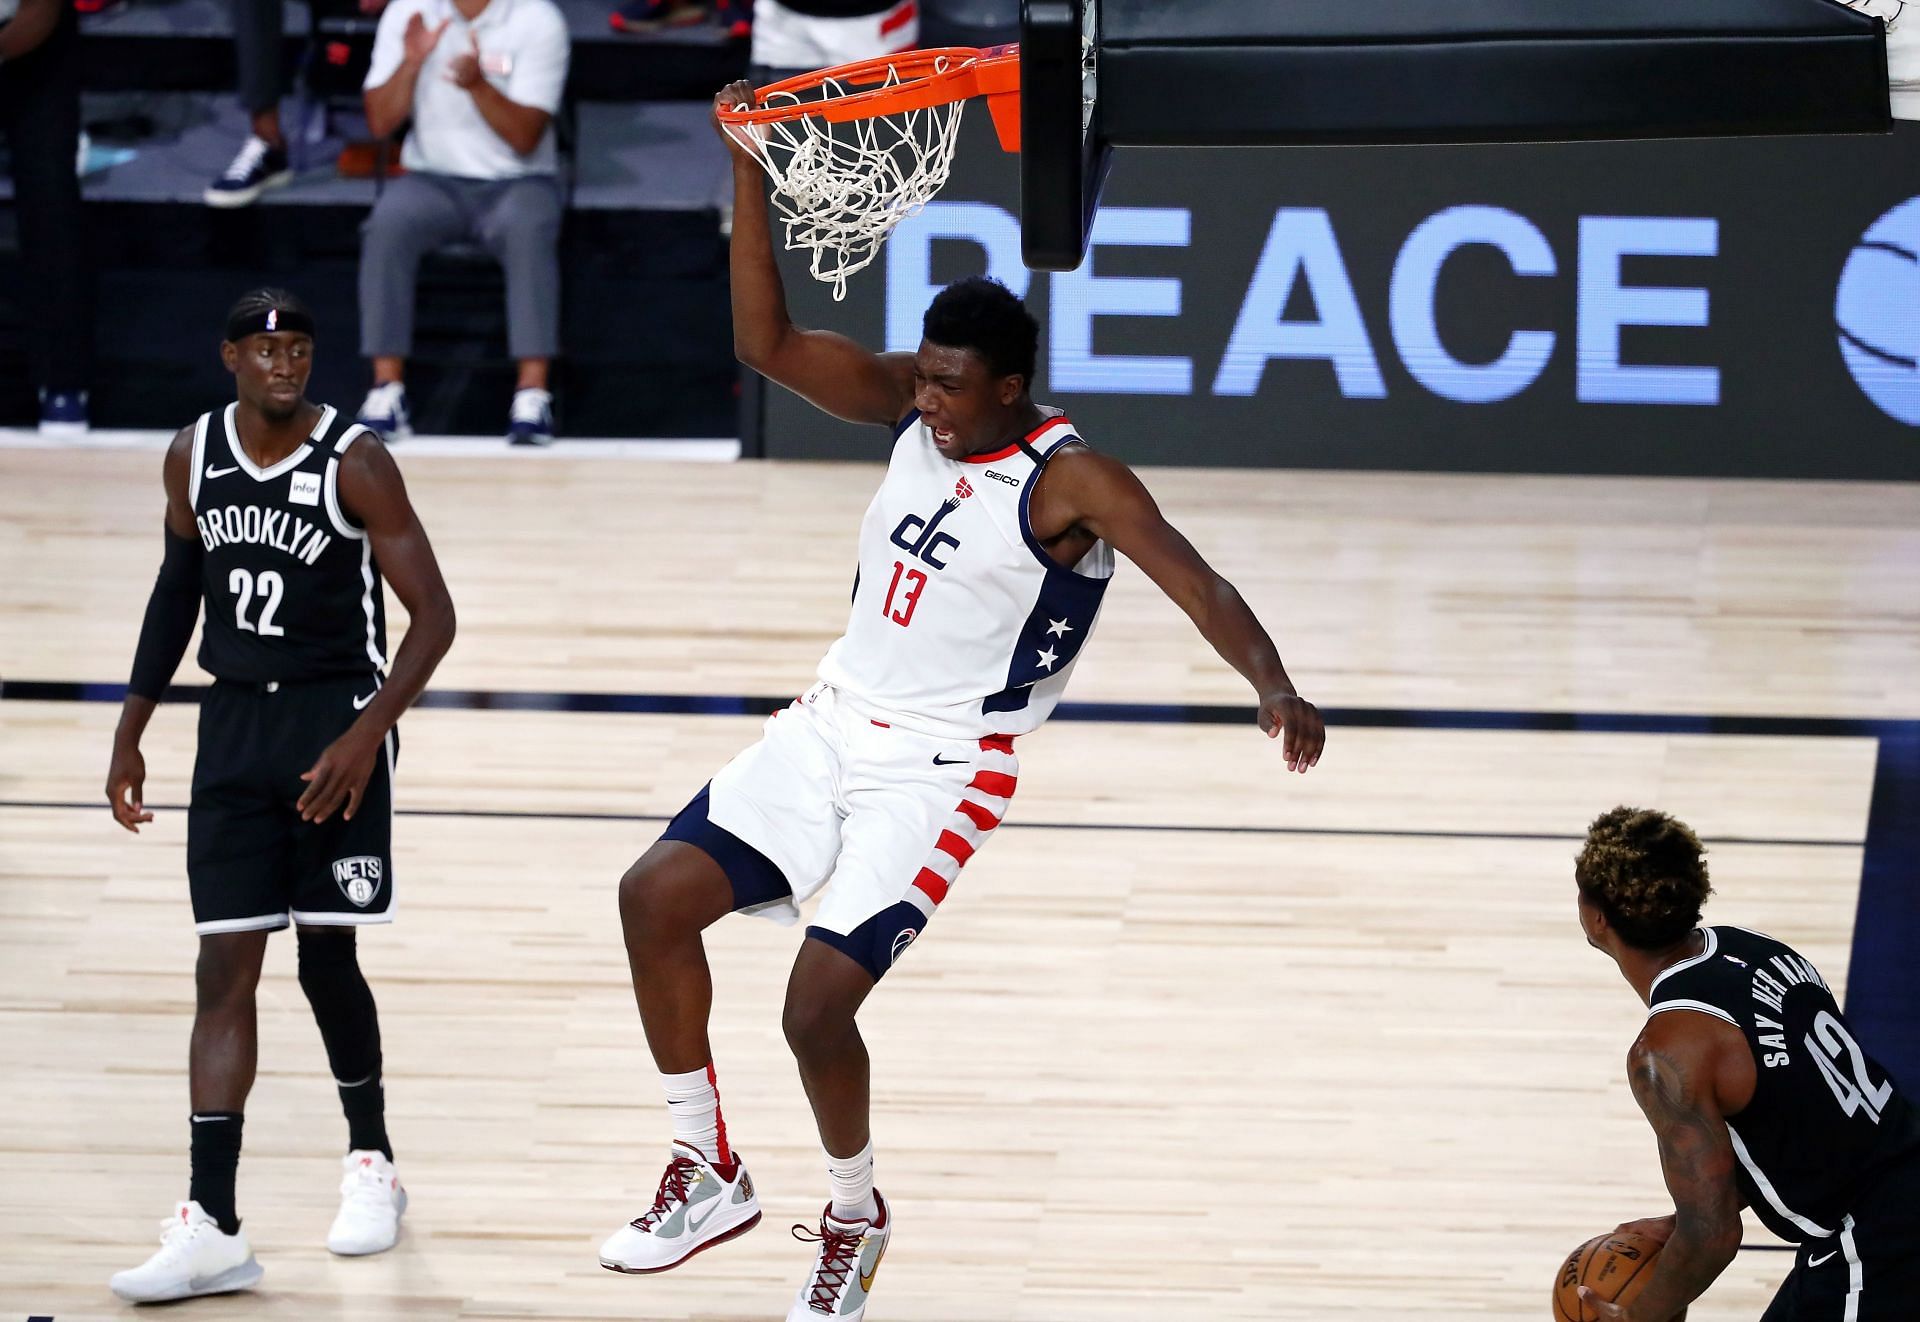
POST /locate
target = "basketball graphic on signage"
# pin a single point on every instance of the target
(1877, 312)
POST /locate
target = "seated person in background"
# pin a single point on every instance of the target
(259, 32)
(259, 41)
(481, 80)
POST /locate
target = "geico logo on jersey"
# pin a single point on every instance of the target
(358, 878)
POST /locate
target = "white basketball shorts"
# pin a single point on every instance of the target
(881, 817)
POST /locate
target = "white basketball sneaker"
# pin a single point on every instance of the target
(195, 1258)
(371, 1201)
(844, 1268)
(698, 1205)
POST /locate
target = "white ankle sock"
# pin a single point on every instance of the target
(693, 1100)
(852, 1179)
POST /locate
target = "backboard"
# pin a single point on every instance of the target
(1101, 74)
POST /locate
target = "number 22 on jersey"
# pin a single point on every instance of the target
(271, 590)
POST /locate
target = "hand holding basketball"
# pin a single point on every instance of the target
(1659, 1229)
(1601, 1278)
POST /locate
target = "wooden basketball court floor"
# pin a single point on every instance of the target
(1193, 1039)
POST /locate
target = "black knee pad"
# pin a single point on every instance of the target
(324, 953)
(342, 1002)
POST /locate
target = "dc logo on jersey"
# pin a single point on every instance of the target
(923, 539)
(900, 944)
(358, 878)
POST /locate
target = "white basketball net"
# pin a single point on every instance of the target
(841, 188)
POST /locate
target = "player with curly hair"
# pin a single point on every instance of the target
(1758, 1091)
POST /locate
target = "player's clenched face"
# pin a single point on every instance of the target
(271, 370)
(966, 408)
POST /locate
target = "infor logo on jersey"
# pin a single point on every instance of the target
(358, 878)
(305, 489)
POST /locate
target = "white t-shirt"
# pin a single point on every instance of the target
(523, 53)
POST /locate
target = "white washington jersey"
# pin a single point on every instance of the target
(291, 585)
(962, 624)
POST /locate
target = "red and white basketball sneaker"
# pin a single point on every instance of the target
(698, 1205)
(844, 1268)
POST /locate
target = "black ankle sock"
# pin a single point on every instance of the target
(215, 1150)
(365, 1105)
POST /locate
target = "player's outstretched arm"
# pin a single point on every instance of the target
(1104, 496)
(1672, 1070)
(375, 497)
(829, 371)
(172, 608)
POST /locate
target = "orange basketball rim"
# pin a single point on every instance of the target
(893, 84)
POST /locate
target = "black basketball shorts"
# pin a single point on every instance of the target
(252, 864)
(1870, 1270)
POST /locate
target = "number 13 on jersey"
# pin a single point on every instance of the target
(916, 584)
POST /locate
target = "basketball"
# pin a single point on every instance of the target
(1614, 1266)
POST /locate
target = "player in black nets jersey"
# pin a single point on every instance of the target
(285, 517)
(1758, 1092)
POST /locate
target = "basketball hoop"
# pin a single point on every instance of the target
(856, 149)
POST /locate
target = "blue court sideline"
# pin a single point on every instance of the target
(1883, 979)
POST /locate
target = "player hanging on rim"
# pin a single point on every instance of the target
(1758, 1092)
(284, 516)
(983, 560)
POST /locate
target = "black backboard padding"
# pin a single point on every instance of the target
(1505, 91)
(1299, 72)
(1288, 22)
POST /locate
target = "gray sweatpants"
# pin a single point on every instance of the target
(517, 220)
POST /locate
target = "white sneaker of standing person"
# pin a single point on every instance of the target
(530, 421)
(195, 1258)
(385, 410)
(844, 1266)
(697, 1206)
(371, 1201)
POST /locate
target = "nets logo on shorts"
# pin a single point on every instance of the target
(358, 878)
